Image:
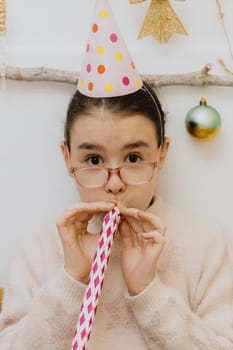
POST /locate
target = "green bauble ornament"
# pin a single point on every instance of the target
(203, 121)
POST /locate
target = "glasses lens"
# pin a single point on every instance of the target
(136, 174)
(91, 177)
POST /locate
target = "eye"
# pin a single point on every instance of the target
(133, 158)
(94, 160)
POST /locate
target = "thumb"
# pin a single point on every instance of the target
(126, 235)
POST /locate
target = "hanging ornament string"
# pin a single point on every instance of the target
(204, 77)
(221, 16)
(96, 279)
(161, 21)
(3, 31)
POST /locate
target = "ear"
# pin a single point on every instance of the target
(163, 152)
(66, 155)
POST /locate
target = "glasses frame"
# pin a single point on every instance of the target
(111, 171)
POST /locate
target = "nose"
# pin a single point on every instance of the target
(115, 184)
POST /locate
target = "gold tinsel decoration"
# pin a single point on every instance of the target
(1, 297)
(161, 21)
(2, 17)
(220, 60)
(136, 1)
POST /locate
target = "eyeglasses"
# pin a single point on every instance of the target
(132, 174)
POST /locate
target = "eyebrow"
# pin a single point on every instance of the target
(136, 144)
(90, 146)
(133, 145)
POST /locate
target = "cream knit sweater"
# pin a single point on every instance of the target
(189, 305)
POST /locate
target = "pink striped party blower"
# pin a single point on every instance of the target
(96, 279)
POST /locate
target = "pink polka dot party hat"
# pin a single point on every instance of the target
(108, 69)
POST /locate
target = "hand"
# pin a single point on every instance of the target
(78, 244)
(143, 239)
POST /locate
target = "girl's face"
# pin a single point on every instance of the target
(112, 140)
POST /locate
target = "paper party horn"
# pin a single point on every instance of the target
(96, 279)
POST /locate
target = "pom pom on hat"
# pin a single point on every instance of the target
(108, 69)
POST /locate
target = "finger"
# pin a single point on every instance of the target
(127, 240)
(83, 212)
(104, 206)
(131, 216)
(70, 216)
(152, 221)
(155, 237)
(91, 207)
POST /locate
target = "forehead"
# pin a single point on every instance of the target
(106, 127)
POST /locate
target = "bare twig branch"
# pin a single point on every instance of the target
(71, 77)
(41, 74)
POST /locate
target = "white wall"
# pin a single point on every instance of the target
(34, 187)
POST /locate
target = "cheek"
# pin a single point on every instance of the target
(73, 155)
(140, 196)
(143, 198)
(148, 192)
(89, 195)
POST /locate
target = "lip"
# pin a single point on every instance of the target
(118, 201)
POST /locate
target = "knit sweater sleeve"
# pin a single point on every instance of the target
(206, 322)
(38, 313)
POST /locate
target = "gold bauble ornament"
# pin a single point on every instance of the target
(203, 121)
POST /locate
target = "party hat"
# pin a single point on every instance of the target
(108, 69)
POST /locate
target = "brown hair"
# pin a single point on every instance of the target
(143, 101)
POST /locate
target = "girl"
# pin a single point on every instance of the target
(169, 282)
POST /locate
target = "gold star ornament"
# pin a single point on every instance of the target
(2, 17)
(161, 21)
